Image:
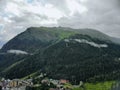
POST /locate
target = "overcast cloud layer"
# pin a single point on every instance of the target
(17, 15)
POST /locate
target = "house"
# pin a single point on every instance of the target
(4, 83)
(45, 81)
(14, 83)
(18, 83)
(29, 81)
(55, 82)
(63, 81)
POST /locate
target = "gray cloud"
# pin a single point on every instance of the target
(17, 15)
(103, 15)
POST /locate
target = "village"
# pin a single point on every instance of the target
(15, 84)
(43, 84)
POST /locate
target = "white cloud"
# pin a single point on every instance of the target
(17, 52)
(1, 27)
(93, 44)
(75, 7)
(17, 15)
(83, 1)
(7, 20)
(13, 9)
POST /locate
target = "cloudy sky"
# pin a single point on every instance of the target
(17, 15)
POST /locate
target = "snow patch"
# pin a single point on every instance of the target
(17, 52)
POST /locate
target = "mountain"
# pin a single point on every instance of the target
(28, 43)
(115, 40)
(34, 38)
(7, 59)
(74, 54)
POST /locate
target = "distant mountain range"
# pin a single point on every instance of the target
(74, 54)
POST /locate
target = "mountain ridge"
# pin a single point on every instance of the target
(35, 33)
(64, 53)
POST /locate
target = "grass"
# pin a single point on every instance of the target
(68, 85)
(58, 31)
(31, 75)
(97, 86)
(11, 66)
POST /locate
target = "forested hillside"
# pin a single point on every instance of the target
(62, 53)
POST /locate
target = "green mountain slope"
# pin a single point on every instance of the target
(36, 38)
(8, 59)
(73, 60)
(74, 54)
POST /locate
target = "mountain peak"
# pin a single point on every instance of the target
(39, 37)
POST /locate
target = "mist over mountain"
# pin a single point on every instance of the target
(40, 37)
(80, 54)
